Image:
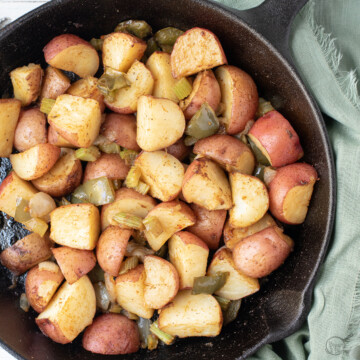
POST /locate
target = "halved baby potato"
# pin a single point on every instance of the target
(56, 139)
(35, 162)
(160, 123)
(178, 149)
(55, 83)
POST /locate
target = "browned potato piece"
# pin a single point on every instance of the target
(191, 315)
(110, 165)
(55, 83)
(112, 334)
(130, 292)
(111, 248)
(161, 283)
(121, 129)
(70, 311)
(36, 161)
(63, 178)
(9, 115)
(74, 263)
(237, 285)
(26, 81)
(233, 235)
(41, 283)
(76, 226)
(179, 150)
(231, 153)
(56, 139)
(263, 252)
(30, 130)
(128, 201)
(196, 50)
(206, 184)
(26, 253)
(205, 89)
(209, 225)
(87, 88)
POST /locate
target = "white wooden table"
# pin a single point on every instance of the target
(13, 9)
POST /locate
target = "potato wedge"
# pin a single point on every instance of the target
(178, 149)
(206, 185)
(41, 284)
(121, 50)
(206, 89)
(111, 248)
(162, 172)
(76, 119)
(26, 253)
(126, 99)
(112, 334)
(191, 315)
(209, 225)
(71, 53)
(173, 216)
(74, 263)
(128, 201)
(76, 226)
(71, 309)
(189, 255)
(160, 67)
(36, 161)
(130, 292)
(30, 129)
(26, 82)
(233, 235)
(250, 197)
(55, 83)
(231, 153)
(56, 139)
(9, 115)
(161, 283)
(63, 178)
(121, 129)
(237, 285)
(239, 96)
(196, 50)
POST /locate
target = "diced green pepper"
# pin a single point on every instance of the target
(110, 148)
(139, 28)
(260, 157)
(144, 331)
(97, 43)
(259, 172)
(224, 303)
(167, 36)
(152, 46)
(96, 274)
(209, 284)
(232, 311)
(110, 81)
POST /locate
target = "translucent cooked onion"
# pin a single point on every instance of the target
(41, 204)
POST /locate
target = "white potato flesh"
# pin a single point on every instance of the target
(160, 123)
(251, 200)
(191, 315)
(237, 285)
(163, 172)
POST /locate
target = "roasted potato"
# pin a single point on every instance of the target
(41, 284)
(178, 149)
(63, 178)
(9, 115)
(26, 253)
(55, 83)
(110, 286)
(111, 334)
(76, 226)
(56, 139)
(71, 53)
(69, 312)
(160, 123)
(36, 161)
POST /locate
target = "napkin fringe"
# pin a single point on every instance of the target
(347, 80)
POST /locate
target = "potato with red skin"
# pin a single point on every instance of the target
(239, 96)
(55, 83)
(71, 53)
(263, 252)
(112, 334)
(121, 129)
(206, 89)
(290, 192)
(41, 283)
(74, 263)
(30, 129)
(179, 150)
(276, 139)
(111, 248)
(55, 138)
(209, 225)
(110, 165)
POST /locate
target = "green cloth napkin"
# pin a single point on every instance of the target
(325, 43)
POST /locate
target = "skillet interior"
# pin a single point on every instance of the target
(282, 304)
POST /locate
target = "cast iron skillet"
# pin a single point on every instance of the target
(284, 300)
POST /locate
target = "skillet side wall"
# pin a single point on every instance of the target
(278, 308)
